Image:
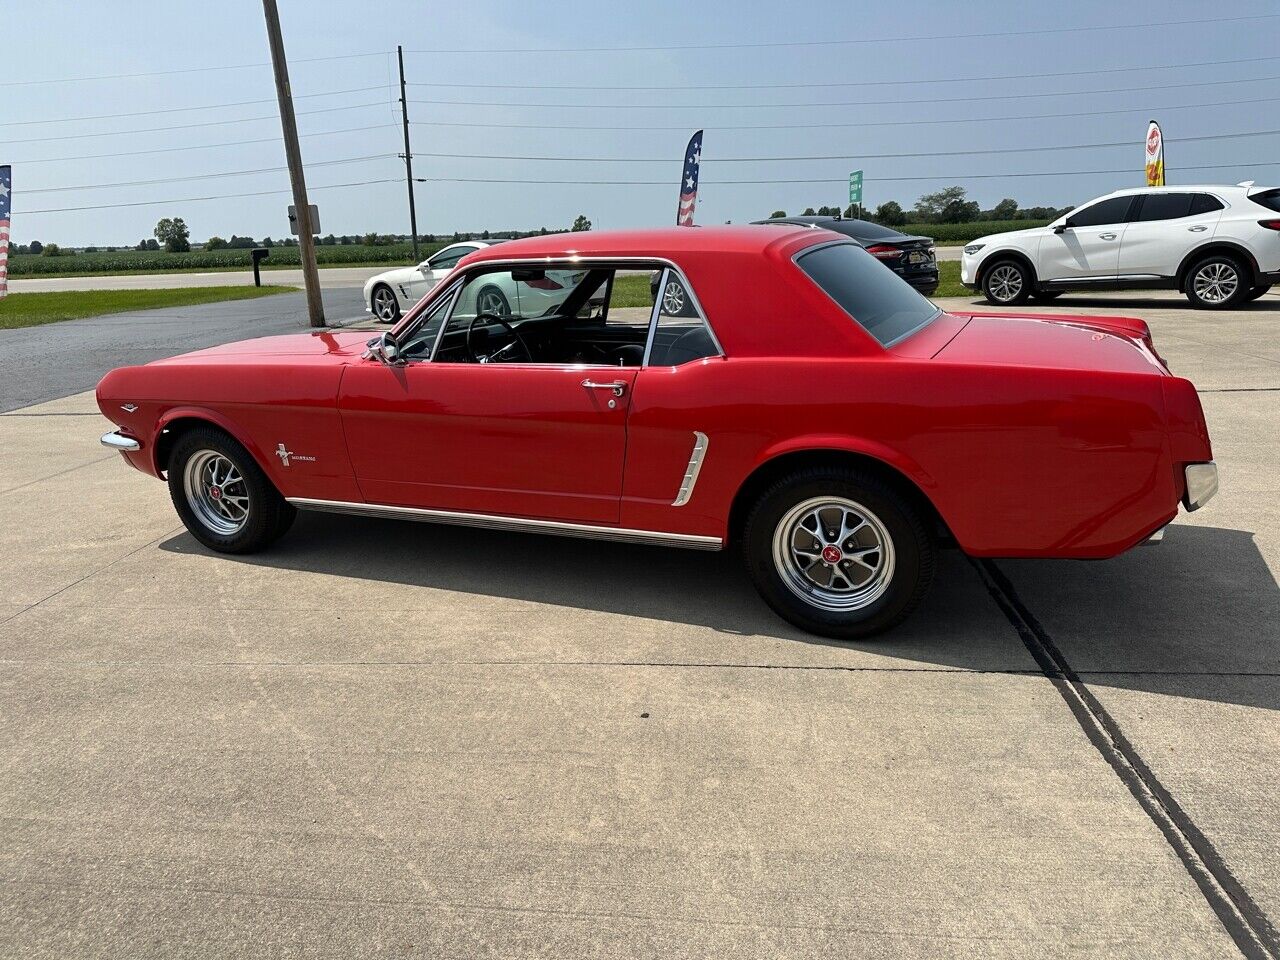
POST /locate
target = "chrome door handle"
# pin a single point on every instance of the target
(618, 387)
(1198, 229)
(1106, 236)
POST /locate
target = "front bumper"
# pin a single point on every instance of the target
(1201, 484)
(118, 441)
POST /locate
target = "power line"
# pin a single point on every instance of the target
(169, 73)
(1144, 111)
(837, 179)
(857, 83)
(838, 103)
(205, 176)
(191, 126)
(206, 146)
(222, 196)
(951, 37)
(207, 106)
(846, 156)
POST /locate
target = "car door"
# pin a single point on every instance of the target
(1165, 228)
(435, 268)
(534, 440)
(1086, 245)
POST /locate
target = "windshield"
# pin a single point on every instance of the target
(878, 300)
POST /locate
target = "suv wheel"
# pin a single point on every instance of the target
(222, 495)
(1006, 283)
(1217, 283)
(838, 553)
(1258, 291)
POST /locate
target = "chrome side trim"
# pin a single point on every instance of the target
(653, 316)
(491, 521)
(691, 472)
(118, 441)
(1202, 484)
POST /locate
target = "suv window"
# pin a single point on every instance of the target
(1164, 206)
(1267, 198)
(1113, 210)
(1205, 203)
(877, 299)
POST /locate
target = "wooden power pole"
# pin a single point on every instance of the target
(289, 126)
(408, 156)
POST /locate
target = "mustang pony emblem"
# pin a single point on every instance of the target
(285, 455)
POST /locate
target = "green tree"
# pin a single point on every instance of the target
(214, 243)
(809, 212)
(268, 242)
(151, 244)
(777, 214)
(173, 233)
(1006, 209)
(581, 224)
(890, 213)
(35, 246)
(948, 205)
(330, 240)
(51, 250)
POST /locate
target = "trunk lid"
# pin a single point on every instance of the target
(1117, 344)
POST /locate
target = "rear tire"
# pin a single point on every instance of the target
(1217, 283)
(1007, 283)
(222, 495)
(838, 552)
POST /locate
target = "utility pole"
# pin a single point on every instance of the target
(408, 156)
(289, 126)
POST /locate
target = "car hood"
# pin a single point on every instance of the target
(338, 344)
(1009, 235)
(1115, 344)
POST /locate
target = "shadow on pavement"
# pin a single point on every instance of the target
(1202, 602)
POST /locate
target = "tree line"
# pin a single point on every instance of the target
(948, 205)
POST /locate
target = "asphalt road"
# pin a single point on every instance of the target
(394, 739)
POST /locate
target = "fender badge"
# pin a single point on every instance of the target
(285, 455)
(128, 407)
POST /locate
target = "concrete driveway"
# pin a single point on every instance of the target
(402, 740)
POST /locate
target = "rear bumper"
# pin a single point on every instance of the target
(118, 441)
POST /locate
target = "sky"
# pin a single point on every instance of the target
(910, 83)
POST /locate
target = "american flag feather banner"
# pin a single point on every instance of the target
(689, 181)
(6, 202)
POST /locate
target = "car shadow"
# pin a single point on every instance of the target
(1203, 604)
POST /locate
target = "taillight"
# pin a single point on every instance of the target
(544, 283)
(883, 252)
(1270, 224)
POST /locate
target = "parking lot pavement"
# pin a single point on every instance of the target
(400, 739)
(330, 278)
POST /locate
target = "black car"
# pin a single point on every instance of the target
(912, 258)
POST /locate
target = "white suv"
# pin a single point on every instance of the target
(1218, 245)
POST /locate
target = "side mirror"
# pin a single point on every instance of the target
(1063, 227)
(383, 348)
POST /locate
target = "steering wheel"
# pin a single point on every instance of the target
(502, 353)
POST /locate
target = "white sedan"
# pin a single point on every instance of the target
(389, 294)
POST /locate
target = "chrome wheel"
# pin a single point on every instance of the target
(493, 302)
(216, 492)
(673, 298)
(1005, 283)
(833, 553)
(1216, 282)
(385, 307)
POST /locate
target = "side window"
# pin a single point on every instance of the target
(417, 345)
(1113, 210)
(680, 332)
(448, 259)
(1164, 206)
(1204, 203)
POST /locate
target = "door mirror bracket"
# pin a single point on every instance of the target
(384, 349)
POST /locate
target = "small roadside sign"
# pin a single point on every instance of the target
(315, 218)
(855, 187)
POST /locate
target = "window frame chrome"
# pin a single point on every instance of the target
(568, 262)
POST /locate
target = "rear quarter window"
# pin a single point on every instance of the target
(1267, 198)
(875, 297)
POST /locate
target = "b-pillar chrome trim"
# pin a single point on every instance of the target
(691, 471)
(518, 524)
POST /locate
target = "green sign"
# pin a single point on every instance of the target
(855, 187)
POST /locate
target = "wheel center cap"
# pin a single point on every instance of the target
(832, 554)
(215, 493)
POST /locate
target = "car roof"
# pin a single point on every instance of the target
(1189, 188)
(658, 243)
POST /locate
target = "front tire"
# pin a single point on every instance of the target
(1217, 283)
(222, 495)
(838, 552)
(1257, 291)
(1007, 283)
(384, 305)
(1044, 296)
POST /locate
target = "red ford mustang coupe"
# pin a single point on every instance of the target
(797, 400)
